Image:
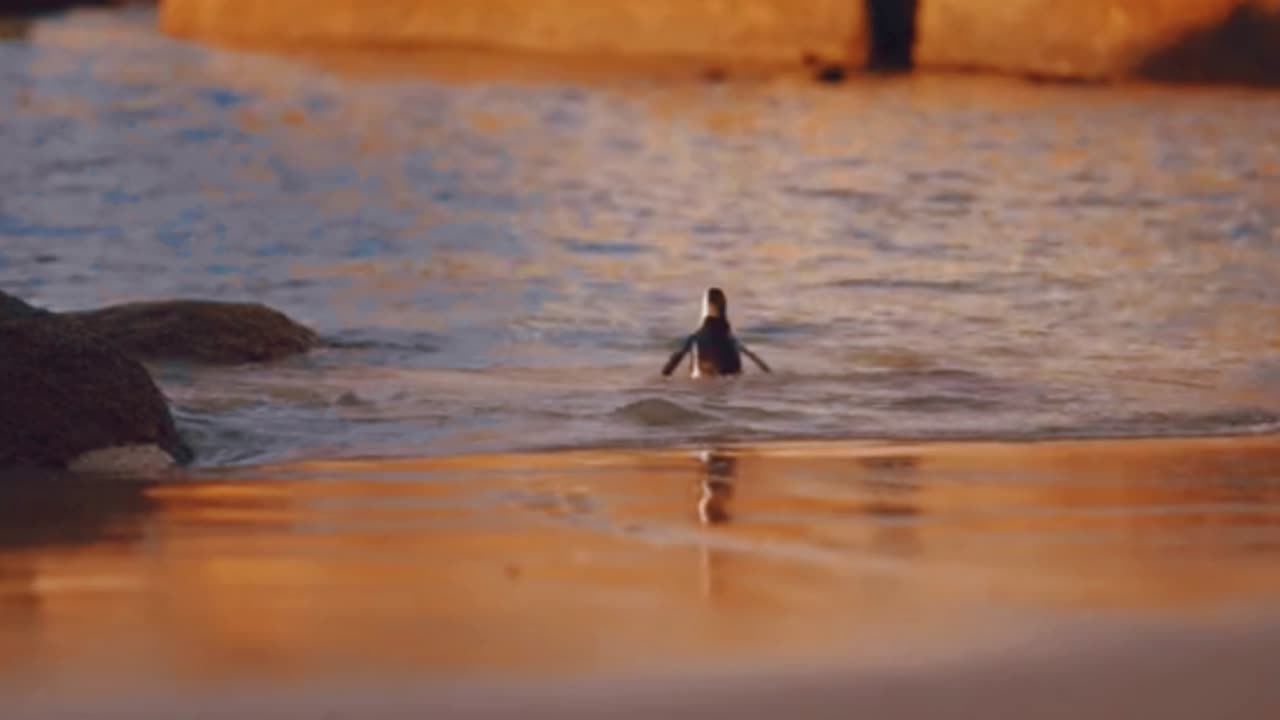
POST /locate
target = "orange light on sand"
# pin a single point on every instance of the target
(548, 563)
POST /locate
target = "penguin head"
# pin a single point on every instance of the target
(715, 305)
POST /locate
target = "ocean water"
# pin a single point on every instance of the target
(500, 259)
(504, 264)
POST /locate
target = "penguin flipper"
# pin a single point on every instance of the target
(677, 356)
(754, 357)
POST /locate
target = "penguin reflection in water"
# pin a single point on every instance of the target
(715, 350)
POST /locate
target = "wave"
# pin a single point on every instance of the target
(660, 412)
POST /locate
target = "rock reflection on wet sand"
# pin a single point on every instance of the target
(613, 563)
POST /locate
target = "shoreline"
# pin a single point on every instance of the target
(971, 449)
(1135, 577)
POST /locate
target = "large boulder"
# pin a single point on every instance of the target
(1244, 47)
(32, 7)
(67, 396)
(1177, 40)
(191, 330)
(771, 31)
(73, 393)
(198, 330)
(12, 307)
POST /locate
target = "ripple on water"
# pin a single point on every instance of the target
(660, 412)
(501, 265)
(1243, 420)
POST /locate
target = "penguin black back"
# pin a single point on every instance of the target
(715, 350)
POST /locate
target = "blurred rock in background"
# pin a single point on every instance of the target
(1234, 41)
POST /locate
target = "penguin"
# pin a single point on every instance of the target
(715, 350)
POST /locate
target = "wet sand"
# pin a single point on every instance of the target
(1224, 673)
(900, 578)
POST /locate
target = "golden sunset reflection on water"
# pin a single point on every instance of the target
(605, 562)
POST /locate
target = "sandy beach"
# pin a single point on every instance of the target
(1097, 673)
(1136, 576)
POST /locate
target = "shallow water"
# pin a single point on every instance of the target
(505, 264)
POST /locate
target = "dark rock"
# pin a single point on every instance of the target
(715, 74)
(1229, 41)
(893, 35)
(72, 383)
(64, 392)
(831, 74)
(192, 330)
(34, 7)
(12, 307)
(198, 330)
(1244, 49)
(41, 7)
